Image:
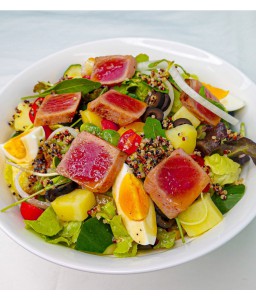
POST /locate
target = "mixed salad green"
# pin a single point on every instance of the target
(182, 112)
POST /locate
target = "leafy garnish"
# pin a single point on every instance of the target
(237, 148)
(153, 128)
(234, 194)
(42, 86)
(58, 180)
(202, 93)
(156, 63)
(141, 58)
(74, 85)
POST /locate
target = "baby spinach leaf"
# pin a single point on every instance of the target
(95, 236)
(153, 128)
(234, 194)
(74, 85)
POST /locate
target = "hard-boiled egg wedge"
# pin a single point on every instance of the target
(24, 147)
(230, 102)
(135, 207)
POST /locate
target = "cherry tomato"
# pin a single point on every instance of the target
(29, 211)
(129, 142)
(34, 108)
(107, 124)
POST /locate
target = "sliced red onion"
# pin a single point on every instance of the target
(71, 130)
(31, 172)
(23, 194)
(193, 94)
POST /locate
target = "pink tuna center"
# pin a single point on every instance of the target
(124, 102)
(178, 177)
(88, 163)
(59, 103)
(111, 70)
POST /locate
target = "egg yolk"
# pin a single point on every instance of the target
(133, 199)
(135, 126)
(217, 92)
(15, 146)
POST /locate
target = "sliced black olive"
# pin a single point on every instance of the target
(66, 188)
(167, 101)
(144, 247)
(156, 99)
(162, 220)
(154, 112)
(181, 121)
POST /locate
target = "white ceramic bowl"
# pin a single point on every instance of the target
(208, 67)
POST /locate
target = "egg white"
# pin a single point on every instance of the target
(143, 232)
(31, 143)
(232, 103)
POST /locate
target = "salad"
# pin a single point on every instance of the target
(123, 155)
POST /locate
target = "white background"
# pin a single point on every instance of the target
(26, 36)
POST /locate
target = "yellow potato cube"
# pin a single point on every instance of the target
(21, 118)
(183, 136)
(183, 112)
(91, 117)
(74, 206)
(201, 216)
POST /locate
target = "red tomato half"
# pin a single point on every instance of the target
(29, 211)
(129, 141)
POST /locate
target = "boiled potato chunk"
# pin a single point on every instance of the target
(91, 117)
(74, 206)
(21, 118)
(183, 136)
(201, 216)
(183, 112)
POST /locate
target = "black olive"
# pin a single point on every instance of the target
(167, 101)
(154, 112)
(162, 220)
(144, 247)
(66, 188)
(156, 99)
(181, 121)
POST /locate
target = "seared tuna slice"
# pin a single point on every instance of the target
(202, 113)
(175, 183)
(57, 109)
(92, 162)
(117, 107)
(113, 69)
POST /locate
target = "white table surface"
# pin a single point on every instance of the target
(26, 37)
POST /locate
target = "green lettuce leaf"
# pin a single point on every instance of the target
(134, 88)
(47, 224)
(125, 247)
(223, 169)
(165, 239)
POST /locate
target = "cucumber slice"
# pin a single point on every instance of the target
(73, 71)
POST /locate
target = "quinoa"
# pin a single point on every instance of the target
(149, 153)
